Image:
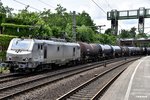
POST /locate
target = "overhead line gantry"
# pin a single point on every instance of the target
(139, 14)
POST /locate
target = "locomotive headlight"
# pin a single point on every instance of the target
(29, 59)
(9, 58)
(25, 59)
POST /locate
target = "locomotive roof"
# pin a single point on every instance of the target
(49, 42)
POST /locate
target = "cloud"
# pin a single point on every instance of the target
(90, 7)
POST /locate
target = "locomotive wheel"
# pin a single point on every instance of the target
(12, 70)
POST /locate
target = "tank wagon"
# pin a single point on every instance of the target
(148, 50)
(28, 55)
(107, 51)
(117, 51)
(125, 51)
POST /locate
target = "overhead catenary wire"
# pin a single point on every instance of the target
(99, 7)
(112, 8)
(26, 5)
(102, 10)
(108, 4)
(46, 4)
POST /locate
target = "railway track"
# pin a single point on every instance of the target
(21, 87)
(14, 77)
(2, 76)
(93, 88)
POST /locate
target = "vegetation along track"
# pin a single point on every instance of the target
(8, 91)
(93, 88)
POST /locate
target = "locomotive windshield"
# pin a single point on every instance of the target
(21, 44)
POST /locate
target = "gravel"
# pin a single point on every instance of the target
(55, 90)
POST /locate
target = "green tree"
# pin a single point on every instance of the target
(142, 35)
(85, 34)
(85, 19)
(6, 10)
(132, 32)
(108, 31)
(105, 39)
(27, 18)
(4, 42)
(124, 34)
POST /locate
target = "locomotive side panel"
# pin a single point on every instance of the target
(71, 52)
(54, 53)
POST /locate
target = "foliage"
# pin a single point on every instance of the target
(105, 39)
(30, 18)
(6, 10)
(59, 25)
(4, 69)
(108, 31)
(2, 17)
(18, 30)
(2, 55)
(124, 34)
(142, 35)
(132, 32)
(14, 25)
(4, 42)
(85, 34)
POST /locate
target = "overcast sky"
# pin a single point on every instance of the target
(97, 15)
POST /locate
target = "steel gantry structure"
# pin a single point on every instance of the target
(139, 14)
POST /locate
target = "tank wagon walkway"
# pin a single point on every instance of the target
(133, 84)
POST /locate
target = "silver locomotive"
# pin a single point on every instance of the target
(32, 54)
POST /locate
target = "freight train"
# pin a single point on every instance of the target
(28, 55)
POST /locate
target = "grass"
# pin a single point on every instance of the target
(4, 70)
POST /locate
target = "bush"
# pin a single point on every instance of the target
(19, 30)
(4, 42)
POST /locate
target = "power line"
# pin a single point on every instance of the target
(108, 4)
(46, 4)
(99, 7)
(112, 8)
(27, 5)
(102, 9)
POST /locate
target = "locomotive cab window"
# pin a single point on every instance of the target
(41, 47)
(58, 48)
(73, 51)
(38, 46)
(45, 52)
